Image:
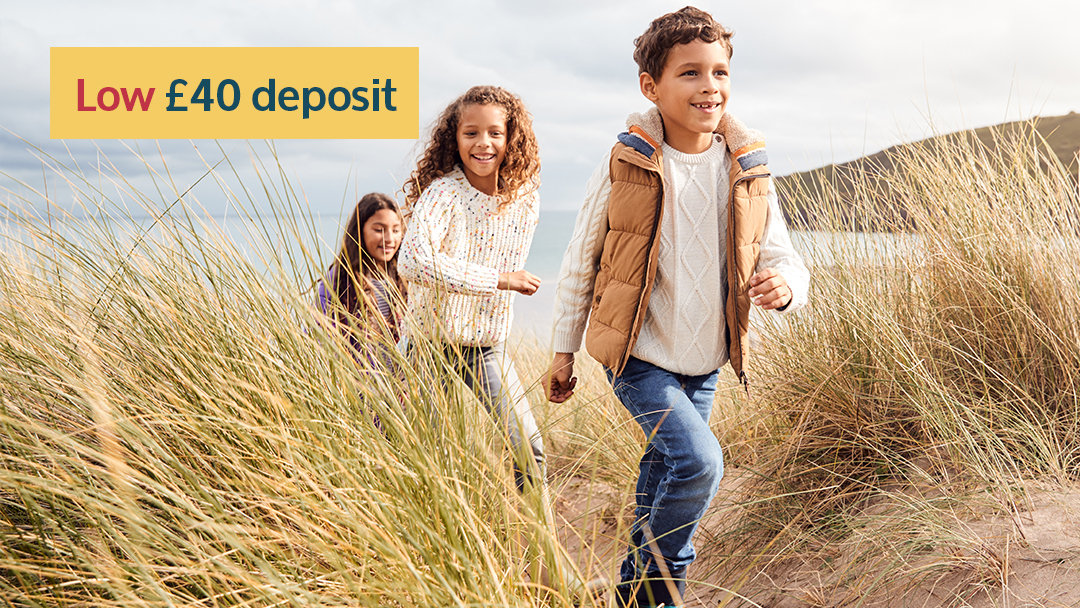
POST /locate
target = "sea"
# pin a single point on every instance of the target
(532, 314)
(321, 234)
(303, 240)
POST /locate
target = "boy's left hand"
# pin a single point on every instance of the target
(769, 290)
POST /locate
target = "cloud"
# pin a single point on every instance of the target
(826, 80)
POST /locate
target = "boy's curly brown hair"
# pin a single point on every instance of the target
(681, 27)
(520, 169)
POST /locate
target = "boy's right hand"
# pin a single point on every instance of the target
(522, 281)
(560, 381)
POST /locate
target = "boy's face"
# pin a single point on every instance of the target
(691, 94)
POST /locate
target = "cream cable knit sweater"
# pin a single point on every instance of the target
(685, 329)
(456, 245)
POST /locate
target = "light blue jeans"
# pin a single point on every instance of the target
(680, 470)
(489, 372)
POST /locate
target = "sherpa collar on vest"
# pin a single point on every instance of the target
(646, 130)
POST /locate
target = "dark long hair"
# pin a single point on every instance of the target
(353, 269)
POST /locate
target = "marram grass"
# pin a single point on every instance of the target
(178, 430)
(933, 376)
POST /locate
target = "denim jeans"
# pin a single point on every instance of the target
(679, 472)
(489, 372)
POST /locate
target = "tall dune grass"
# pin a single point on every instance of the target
(177, 430)
(933, 374)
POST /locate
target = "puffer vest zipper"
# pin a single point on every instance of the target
(630, 252)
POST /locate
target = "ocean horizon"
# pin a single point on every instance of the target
(317, 237)
(312, 237)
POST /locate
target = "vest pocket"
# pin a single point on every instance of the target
(600, 285)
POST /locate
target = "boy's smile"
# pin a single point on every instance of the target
(691, 94)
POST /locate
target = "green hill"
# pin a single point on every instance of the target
(800, 192)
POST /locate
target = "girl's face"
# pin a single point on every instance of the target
(382, 235)
(481, 140)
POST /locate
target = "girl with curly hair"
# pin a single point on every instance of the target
(472, 208)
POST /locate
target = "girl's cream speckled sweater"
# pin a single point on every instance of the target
(456, 244)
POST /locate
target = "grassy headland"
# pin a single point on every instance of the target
(1056, 137)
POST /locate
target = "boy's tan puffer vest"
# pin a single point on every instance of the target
(629, 256)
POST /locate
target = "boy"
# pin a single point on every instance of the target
(680, 233)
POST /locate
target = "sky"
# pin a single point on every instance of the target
(825, 80)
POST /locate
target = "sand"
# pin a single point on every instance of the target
(1018, 555)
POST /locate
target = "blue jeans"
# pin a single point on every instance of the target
(680, 470)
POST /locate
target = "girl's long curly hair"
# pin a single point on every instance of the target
(354, 268)
(520, 169)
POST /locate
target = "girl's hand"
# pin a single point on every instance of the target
(522, 281)
(769, 290)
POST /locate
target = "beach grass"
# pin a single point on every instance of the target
(179, 429)
(930, 382)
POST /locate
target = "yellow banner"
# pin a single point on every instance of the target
(235, 93)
